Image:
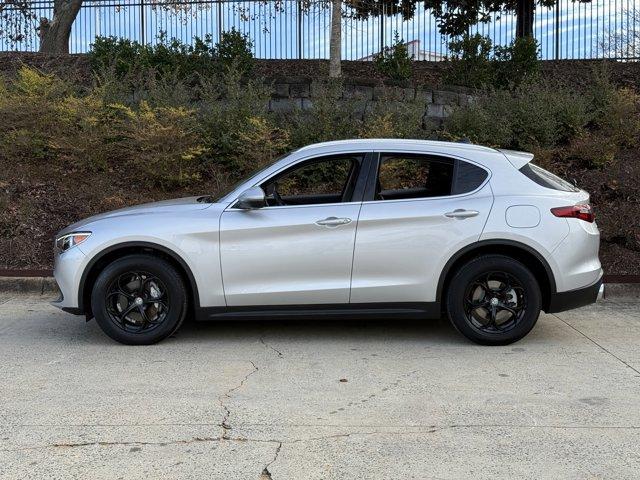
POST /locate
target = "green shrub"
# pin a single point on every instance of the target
(234, 51)
(164, 143)
(555, 121)
(470, 62)
(47, 121)
(330, 117)
(476, 63)
(394, 61)
(390, 118)
(228, 106)
(516, 63)
(129, 59)
(534, 115)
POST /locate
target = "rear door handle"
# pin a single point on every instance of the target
(462, 213)
(333, 222)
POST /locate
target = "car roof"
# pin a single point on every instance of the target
(395, 143)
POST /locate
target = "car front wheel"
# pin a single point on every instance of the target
(493, 300)
(139, 299)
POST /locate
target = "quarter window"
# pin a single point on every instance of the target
(468, 177)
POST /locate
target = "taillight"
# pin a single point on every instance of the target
(581, 212)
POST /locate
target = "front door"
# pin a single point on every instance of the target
(298, 249)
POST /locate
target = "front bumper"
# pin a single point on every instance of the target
(67, 270)
(561, 301)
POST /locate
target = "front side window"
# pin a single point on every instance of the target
(413, 176)
(329, 180)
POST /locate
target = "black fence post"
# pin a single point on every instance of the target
(299, 28)
(219, 20)
(557, 32)
(142, 23)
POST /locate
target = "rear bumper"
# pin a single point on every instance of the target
(561, 301)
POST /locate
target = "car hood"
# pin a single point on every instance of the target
(177, 205)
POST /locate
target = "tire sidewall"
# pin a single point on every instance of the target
(475, 268)
(155, 266)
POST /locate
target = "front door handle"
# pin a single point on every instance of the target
(462, 213)
(333, 221)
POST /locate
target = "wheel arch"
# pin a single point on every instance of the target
(109, 254)
(530, 257)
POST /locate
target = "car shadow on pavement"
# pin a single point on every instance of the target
(432, 331)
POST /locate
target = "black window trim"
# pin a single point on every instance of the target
(370, 189)
(364, 162)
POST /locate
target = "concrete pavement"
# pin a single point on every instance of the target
(319, 400)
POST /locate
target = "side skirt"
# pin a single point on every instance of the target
(350, 311)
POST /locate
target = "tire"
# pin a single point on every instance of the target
(493, 300)
(139, 299)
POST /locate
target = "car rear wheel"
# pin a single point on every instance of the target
(493, 300)
(139, 299)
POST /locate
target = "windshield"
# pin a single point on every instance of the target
(246, 178)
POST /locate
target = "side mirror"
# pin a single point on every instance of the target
(251, 199)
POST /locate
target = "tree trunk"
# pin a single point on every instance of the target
(335, 42)
(54, 34)
(524, 18)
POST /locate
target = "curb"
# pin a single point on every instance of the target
(47, 285)
(32, 285)
(622, 291)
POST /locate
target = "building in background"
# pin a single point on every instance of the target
(414, 51)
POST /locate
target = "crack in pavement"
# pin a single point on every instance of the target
(596, 343)
(266, 474)
(225, 419)
(268, 346)
(280, 443)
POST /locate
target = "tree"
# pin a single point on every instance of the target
(20, 16)
(456, 16)
(54, 33)
(335, 40)
(624, 42)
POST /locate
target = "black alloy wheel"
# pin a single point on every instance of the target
(139, 299)
(493, 300)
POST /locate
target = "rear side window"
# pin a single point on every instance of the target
(546, 179)
(468, 178)
(413, 176)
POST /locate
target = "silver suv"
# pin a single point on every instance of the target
(356, 228)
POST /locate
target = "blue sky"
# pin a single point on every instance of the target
(279, 34)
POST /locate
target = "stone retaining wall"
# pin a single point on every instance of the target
(298, 93)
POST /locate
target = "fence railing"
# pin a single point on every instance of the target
(299, 29)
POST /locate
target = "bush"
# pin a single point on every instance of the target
(329, 118)
(130, 60)
(532, 116)
(390, 118)
(476, 63)
(394, 61)
(552, 120)
(234, 51)
(230, 109)
(470, 61)
(156, 146)
(516, 63)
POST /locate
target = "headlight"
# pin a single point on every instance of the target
(65, 242)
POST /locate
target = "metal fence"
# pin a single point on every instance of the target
(299, 29)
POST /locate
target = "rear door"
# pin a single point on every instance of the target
(419, 210)
(298, 250)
